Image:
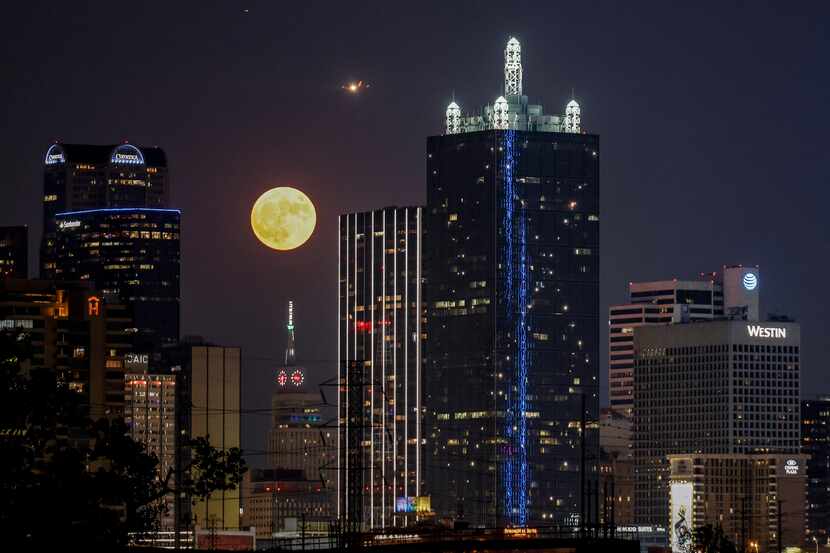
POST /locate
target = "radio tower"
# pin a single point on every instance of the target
(290, 357)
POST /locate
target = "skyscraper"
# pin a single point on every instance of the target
(379, 344)
(512, 298)
(296, 440)
(815, 442)
(150, 412)
(104, 219)
(133, 256)
(669, 302)
(14, 252)
(718, 387)
(74, 332)
(209, 381)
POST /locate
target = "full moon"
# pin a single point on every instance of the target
(283, 218)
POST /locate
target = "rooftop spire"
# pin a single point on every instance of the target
(513, 68)
(290, 358)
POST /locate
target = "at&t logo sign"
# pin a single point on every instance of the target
(750, 281)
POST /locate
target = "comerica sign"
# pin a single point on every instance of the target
(758, 331)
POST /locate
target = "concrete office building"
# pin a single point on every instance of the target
(279, 501)
(711, 296)
(74, 331)
(721, 387)
(749, 496)
(211, 385)
(150, 413)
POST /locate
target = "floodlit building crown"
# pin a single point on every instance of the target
(512, 110)
(453, 118)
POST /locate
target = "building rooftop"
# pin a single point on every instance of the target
(512, 110)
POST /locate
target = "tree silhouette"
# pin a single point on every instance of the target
(66, 480)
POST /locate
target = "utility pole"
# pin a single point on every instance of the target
(582, 467)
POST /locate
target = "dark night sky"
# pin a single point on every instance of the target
(713, 121)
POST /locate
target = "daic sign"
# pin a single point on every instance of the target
(791, 467)
(69, 224)
(758, 331)
(136, 360)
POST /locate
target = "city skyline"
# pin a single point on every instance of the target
(712, 132)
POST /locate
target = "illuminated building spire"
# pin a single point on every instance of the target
(453, 118)
(290, 358)
(513, 68)
(573, 116)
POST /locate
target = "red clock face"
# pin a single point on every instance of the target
(282, 378)
(297, 378)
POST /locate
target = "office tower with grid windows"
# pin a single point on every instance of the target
(512, 296)
(150, 413)
(671, 302)
(717, 387)
(133, 256)
(105, 219)
(379, 344)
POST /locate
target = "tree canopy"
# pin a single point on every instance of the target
(67, 480)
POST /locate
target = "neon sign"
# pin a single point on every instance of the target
(297, 378)
(290, 315)
(93, 307)
(791, 467)
(758, 331)
(127, 154)
(53, 157)
(69, 224)
(750, 281)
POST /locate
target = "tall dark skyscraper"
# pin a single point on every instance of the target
(132, 254)
(380, 334)
(104, 219)
(512, 296)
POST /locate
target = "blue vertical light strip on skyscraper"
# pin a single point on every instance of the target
(523, 356)
(507, 297)
(515, 258)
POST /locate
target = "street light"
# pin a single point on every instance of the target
(815, 539)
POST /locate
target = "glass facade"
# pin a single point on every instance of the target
(84, 176)
(131, 254)
(380, 335)
(512, 299)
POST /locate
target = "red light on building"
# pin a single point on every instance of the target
(297, 378)
(282, 378)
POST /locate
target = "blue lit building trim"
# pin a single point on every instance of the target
(118, 209)
(514, 295)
